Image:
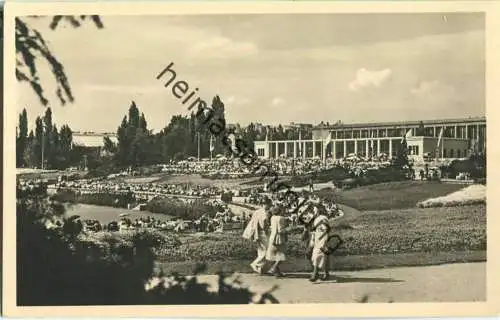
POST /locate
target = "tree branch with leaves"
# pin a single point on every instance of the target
(31, 45)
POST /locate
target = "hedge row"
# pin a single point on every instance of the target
(100, 199)
(344, 179)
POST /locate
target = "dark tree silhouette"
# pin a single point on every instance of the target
(30, 45)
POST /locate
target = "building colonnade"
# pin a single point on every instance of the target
(370, 141)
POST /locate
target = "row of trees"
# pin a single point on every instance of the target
(52, 148)
(183, 137)
(137, 145)
(46, 146)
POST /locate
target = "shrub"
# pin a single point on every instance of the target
(333, 174)
(104, 169)
(227, 197)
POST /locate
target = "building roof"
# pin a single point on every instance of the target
(92, 139)
(402, 123)
(92, 133)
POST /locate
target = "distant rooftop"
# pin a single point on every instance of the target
(401, 123)
(92, 133)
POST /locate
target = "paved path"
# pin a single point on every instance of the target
(445, 283)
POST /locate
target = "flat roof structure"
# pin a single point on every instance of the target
(403, 123)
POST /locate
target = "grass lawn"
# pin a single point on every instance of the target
(391, 195)
(376, 239)
(47, 175)
(199, 180)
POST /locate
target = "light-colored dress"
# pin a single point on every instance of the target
(277, 239)
(256, 231)
(319, 241)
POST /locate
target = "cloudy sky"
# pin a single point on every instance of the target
(270, 68)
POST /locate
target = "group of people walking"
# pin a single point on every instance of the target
(269, 227)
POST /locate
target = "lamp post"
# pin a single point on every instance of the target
(43, 145)
(85, 162)
(198, 138)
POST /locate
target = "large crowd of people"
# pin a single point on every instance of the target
(88, 186)
(224, 168)
(218, 223)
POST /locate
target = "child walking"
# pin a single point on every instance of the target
(319, 245)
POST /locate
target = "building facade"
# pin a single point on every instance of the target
(92, 139)
(458, 138)
(92, 142)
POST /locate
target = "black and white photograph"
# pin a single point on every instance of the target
(246, 157)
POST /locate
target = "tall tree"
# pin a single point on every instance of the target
(133, 116)
(109, 146)
(37, 147)
(219, 118)
(65, 147)
(48, 137)
(143, 124)
(402, 155)
(22, 138)
(29, 156)
(123, 142)
(420, 130)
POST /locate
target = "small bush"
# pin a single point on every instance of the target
(227, 197)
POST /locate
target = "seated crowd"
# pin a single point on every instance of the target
(227, 168)
(218, 223)
(86, 186)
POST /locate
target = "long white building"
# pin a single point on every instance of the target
(92, 139)
(459, 136)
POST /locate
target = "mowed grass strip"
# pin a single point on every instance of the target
(390, 195)
(338, 263)
(196, 179)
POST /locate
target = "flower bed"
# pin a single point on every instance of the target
(474, 194)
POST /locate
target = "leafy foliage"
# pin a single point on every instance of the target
(31, 45)
(179, 208)
(402, 155)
